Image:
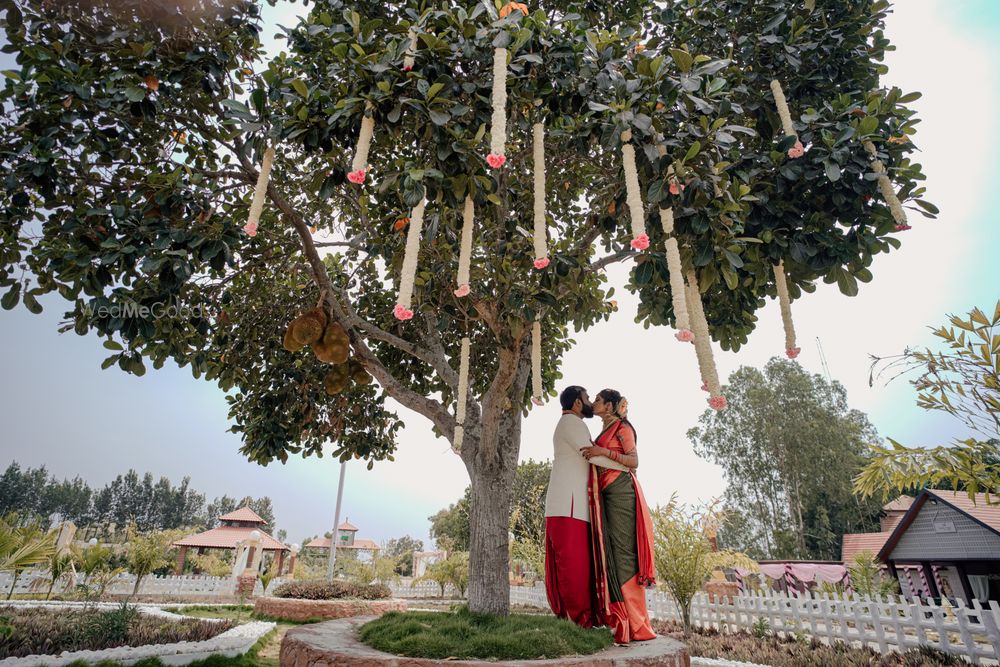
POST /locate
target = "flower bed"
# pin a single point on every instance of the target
(28, 631)
(331, 590)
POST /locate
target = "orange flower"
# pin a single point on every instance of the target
(511, 6)
(152, 82)
(899, 140)
(660, 106)
(401, 224)
(640, 47)
(612, 208)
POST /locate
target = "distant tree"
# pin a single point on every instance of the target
(789, 446)
(401, 550)
(962, 380)
(450, 526)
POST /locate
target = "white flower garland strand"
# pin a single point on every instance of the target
(640, 240)
(359, 166)
(676, 271)
(465, 253)
(703, 345)
(463, 390)
(259, 192)
(781, 103)
(536, 362)
(538, 146)
(498, 124)
(785, 302)
(885, 186)
(402, 310)
(411, 50)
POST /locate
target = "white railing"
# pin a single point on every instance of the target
(885, 624)
(187, 586)
(424, 589)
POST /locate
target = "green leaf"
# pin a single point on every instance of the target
(11, 74)
(12, 296)
(868, 125)
(383, 86)
(695, 148)
(113, 345)
(31, 303)
(135, 93)
(237, 106)
(683, 59)
(300, 87)
(833, 171)
(434, 90)
(440, 117)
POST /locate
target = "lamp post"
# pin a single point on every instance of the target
(336, 522)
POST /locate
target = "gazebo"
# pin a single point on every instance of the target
(346, 539)
(240, 531)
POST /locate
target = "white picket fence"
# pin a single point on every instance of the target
(885, 624)
(424, 589)
(183, 586)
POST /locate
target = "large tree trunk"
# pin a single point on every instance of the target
(492, 466)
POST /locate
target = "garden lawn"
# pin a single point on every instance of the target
(463, 634)
(267, 652)
(41, 631)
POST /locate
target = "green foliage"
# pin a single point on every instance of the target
(401, 549)
(789, 445)
(452, 570)
(867, 579)
(23, 545)
(466, 635)
(150, 551)
(964, 381)
(381, 569)
(37, 630)
(684, 555)
(761, 628)
(331, 590)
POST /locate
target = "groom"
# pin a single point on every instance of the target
(569, 580)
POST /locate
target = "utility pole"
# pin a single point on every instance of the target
(336, 522)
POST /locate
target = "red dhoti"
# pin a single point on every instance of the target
(568, 575)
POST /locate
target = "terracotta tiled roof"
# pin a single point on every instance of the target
(900, 504)
(855, 543)
(359, 543)
(243, 514)
(227, 537)
(980, 510)
(347, 526)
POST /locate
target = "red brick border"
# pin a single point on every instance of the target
(293, 609)
(336, 643)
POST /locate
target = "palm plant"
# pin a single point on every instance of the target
(60, 565)
(22, 546)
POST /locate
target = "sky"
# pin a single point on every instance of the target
(59, 409)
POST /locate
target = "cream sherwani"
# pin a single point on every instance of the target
(567, 494)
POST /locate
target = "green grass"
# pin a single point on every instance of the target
(463, 634)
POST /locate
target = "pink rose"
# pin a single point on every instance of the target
(717, 403)
(903, 228)
(495, 161)
(408, 68)
(793, 352)
(356, 176)
(640, 242)
(536, 400)
(250, 228)
(798, 150)
(675, 187)
(684, 336)
(402, 313)
(704, 386)
(463, 290)
(541, 263)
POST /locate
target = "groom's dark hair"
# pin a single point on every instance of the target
(569, 395)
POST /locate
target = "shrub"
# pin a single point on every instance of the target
(331, 590)
(38, 631)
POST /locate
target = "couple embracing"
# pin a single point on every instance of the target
(598, 530)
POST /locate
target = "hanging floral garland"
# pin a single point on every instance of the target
(411, 50)
(463, 390)
(498, 123)
(885, 186)
(781, 103)
(259, 192)
(465, 253)
(536, 362)
(359, 167)
(538, 146)
(676, 272)
(703, 345)
(402, 310)
(785, 302)
(640, 241)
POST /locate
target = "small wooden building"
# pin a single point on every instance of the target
(952, 542)
(241, 531)
(347, 538)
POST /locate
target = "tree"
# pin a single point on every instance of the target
(684, 554)
(964, 381)
(867, 578)
(452, 570)
(60, 566)
(789, 446)
(134, 132)
(401, 550)
(450, 526)
(22, 545)
(149, 551)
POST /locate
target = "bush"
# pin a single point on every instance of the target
(37, 631)
(331, 590)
